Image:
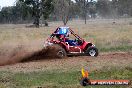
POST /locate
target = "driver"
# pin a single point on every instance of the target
(63, 33)
(71, 42)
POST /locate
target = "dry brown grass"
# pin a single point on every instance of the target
(103, 33)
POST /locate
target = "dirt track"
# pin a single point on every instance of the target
(91, 63)
(18, 42)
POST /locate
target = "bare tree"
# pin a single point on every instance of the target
(39, 8)
(85, 10)
(62, 10)
(83, 4)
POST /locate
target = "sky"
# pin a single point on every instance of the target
(8, 2)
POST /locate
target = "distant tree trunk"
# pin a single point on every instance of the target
(36, 21)
(85, 12)
(36, 14)
(46, 23)
(85, 18)
(65, 19)
(62, 10)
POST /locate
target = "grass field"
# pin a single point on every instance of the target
(61, 79)
(106, 35)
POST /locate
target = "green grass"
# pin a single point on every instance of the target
(59, 79)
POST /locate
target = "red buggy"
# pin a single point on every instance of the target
(70, 43)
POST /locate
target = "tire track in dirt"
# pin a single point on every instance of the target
(23, 53)
(121, 60)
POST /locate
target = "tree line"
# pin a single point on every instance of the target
(27, 11)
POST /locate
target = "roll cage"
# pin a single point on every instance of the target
(58, 32)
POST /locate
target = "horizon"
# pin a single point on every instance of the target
(6, 3)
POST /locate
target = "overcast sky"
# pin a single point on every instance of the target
(8, 2)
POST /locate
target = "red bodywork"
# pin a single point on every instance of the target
(70, 49)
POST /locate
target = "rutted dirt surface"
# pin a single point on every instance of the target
(30, 57)
(23, 53)
(122, 59)
(13, 53)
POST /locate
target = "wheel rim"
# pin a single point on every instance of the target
(92, 52)
(60, 54)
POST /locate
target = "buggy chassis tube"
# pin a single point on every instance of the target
(75, 47)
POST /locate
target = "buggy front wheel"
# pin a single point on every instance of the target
(92, 51)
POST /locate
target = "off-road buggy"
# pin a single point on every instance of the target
(69, 43)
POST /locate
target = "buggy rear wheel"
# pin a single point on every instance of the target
(61, 53)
